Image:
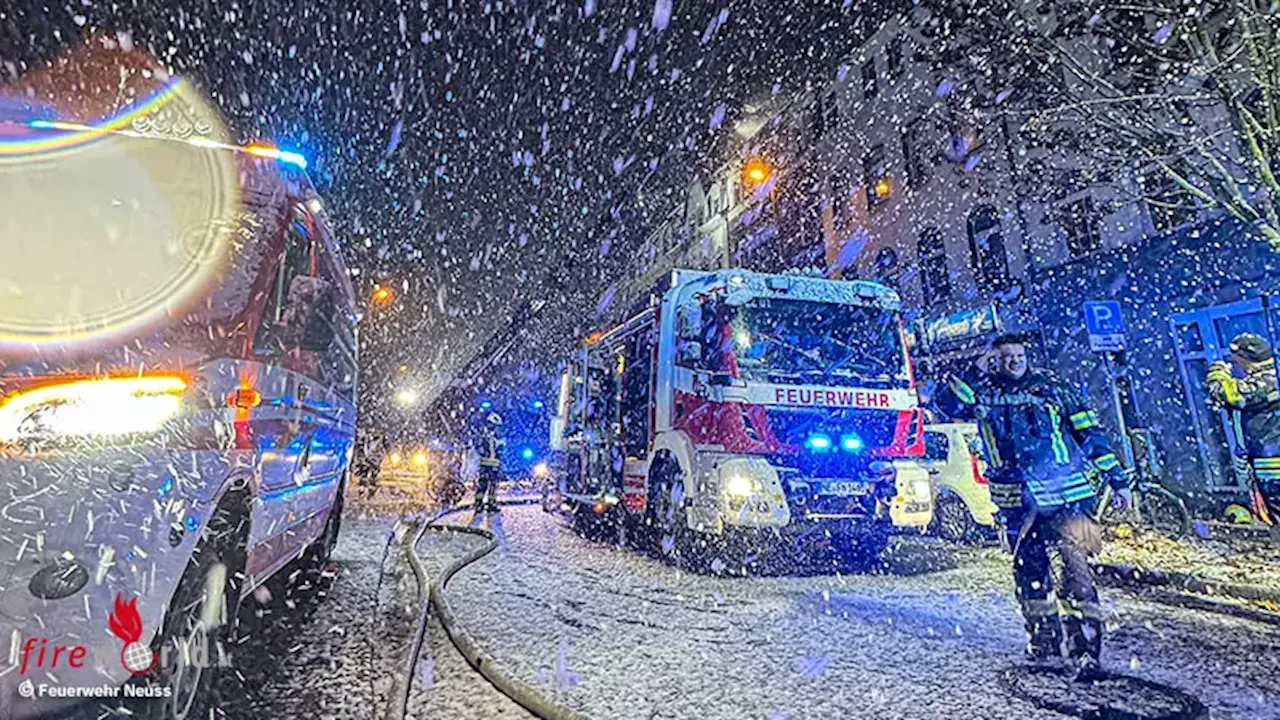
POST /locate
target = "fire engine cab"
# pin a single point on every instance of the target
(743, 408)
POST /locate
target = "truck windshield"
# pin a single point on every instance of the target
(798, 341)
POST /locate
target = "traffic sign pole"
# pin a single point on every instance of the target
(1105, 326)
(1126, 445)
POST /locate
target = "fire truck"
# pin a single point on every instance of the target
(743, 411)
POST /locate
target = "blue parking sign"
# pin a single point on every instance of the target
(1105, 326)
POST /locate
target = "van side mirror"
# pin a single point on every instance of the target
(308, 317)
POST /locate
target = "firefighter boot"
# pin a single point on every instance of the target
(1044, 634)
(1084, 646)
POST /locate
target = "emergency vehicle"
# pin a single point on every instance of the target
(177, 402)
(743, 408)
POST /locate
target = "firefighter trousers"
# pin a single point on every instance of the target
(1266, 472)
(487, 488)
(1070, 610)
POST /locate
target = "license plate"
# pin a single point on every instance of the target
(845, 487)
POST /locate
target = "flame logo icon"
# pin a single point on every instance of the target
(126, 624)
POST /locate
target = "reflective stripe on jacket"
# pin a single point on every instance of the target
(1038, 431)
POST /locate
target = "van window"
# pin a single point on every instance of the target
(936, 446)
(298, 258)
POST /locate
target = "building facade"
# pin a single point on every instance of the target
(883, 175)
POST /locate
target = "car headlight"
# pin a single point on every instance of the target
(921, 488)
(101, 409)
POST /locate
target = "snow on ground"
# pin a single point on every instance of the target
(618, 635)
(328, 657)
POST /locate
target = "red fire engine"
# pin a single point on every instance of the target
(742, 408)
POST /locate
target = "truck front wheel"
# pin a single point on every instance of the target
(666, 514)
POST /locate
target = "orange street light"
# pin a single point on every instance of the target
(381, 296)
(756, 171)
(882, 187)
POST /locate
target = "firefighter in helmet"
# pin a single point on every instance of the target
(1040, 435)
(1256, 398)
(488, 445)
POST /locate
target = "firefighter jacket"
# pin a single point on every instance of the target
(489, 446)
(1258, 400)
(1039, 433)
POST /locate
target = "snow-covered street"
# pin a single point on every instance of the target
(615, 634)
(328, 657)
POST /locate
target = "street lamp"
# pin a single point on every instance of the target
(382, 296)
(756, 172)
(406, 397)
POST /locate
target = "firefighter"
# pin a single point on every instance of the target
(1257, 399)
(372, 449)
(488, 445)
(1040, 435)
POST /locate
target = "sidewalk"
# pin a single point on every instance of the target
(1253, 566)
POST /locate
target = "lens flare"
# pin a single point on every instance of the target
(120, 205)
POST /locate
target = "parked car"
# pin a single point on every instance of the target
(177, 408)
(953, 456)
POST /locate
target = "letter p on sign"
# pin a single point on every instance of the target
(1105, 326)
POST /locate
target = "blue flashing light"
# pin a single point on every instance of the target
(293, 158)
(41, 124)
(818, 442)
(165, 487)
(538, 405)
(486, 405)
(852, 442)
(527, 453)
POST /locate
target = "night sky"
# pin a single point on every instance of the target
(484, 152)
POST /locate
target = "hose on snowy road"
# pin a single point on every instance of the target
(520, 692)
(402, 683)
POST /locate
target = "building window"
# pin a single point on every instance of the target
(869, 79)
(1080, 220)
(893, 54)
(986, 247)
(825, 114)
(817, 122)
(913, 144)
(875, 173)
(935, 278)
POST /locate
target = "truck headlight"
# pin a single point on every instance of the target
(740, 486)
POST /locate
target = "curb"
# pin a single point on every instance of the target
(1187, 591)
(1132, 574)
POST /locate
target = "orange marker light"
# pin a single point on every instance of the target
(244, 398)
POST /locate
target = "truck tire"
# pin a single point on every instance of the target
(199, 624)
(668, 530)
(860, 551)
